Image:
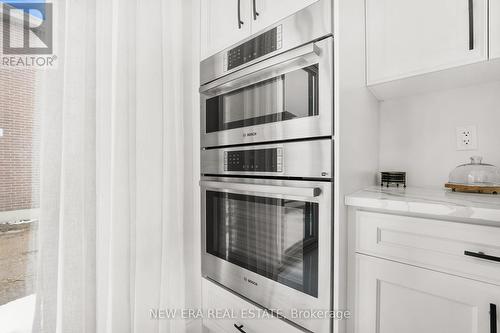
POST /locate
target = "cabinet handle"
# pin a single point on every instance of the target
(493, 318)
(471, 24)
(255, 12)
(240, 328)
(240, 22)
(481, 255)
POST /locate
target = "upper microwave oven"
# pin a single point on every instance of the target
(268, 88)
(289, 96)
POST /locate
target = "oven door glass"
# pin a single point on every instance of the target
(275, 238)
(288, 96)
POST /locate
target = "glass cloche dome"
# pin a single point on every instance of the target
(476, 173)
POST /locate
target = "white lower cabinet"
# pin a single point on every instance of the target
(225, 312)
(393, 297)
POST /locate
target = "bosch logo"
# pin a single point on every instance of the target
(249, 134)
(250, 281)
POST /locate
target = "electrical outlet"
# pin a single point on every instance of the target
(466, 138)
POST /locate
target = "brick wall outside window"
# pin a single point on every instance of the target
(19, 145)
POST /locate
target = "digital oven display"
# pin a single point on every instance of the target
(261, 160)
(257, 47)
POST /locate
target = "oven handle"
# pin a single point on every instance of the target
(310, 192)
(244, 76)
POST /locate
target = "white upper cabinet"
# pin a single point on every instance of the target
(494, 28)
(219, 20)
(411, 37)
(219, 24)
(267, 12)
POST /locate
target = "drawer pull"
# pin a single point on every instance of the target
(493, 318)
(481, 255)
(255, 12)
(240, 22)
(239, 328)
(471, 24)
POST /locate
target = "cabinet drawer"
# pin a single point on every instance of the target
(439, 245)
(236, 310)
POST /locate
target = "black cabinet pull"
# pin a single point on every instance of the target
(239, 328)
(481, 255)
(255, 12)
(493, 318)
(240, 22)
(471, 24)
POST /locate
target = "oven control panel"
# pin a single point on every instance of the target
(257, 47)
(258, 160)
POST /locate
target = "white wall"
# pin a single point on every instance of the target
(417, 134)
(356, 136)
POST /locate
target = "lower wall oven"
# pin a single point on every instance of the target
(269, 239)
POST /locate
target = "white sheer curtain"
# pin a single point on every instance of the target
(65, 296)
(112, 191)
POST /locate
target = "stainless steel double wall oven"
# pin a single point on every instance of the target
(267, 167)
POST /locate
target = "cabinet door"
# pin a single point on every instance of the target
(410, 37)
(395, 298)
(494, 29)
(219, 24)
(267, 12)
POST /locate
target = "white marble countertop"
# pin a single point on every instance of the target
(427, 201)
